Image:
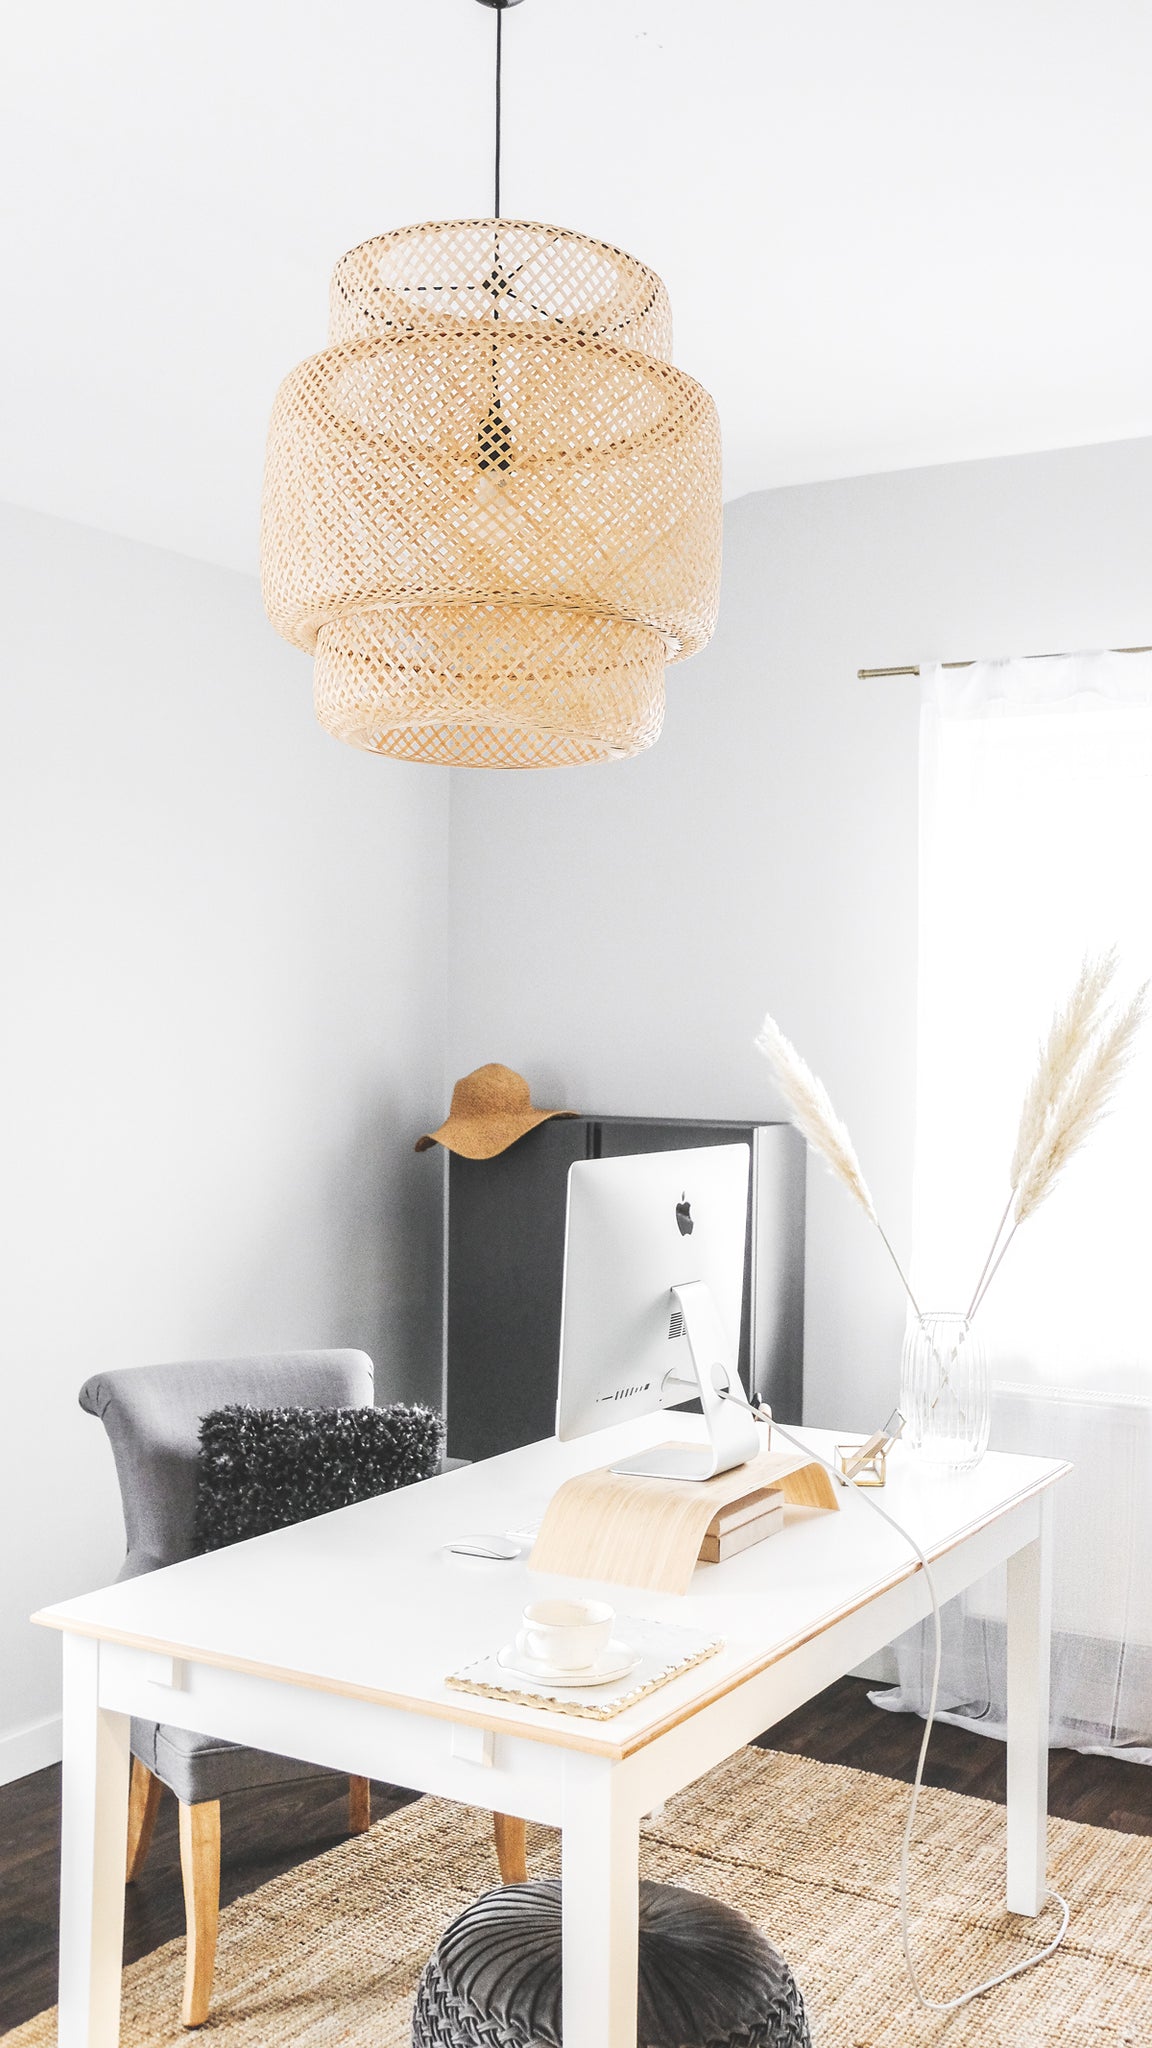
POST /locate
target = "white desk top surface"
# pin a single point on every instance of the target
(366, 1601)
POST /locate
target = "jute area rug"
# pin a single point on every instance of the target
(331, 1952)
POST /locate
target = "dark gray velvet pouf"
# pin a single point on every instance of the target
(707, 1978)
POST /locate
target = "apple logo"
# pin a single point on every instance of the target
(684, 1223)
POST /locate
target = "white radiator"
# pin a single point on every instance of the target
(1102, 1584)
(1102, 1577)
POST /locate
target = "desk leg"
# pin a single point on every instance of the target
(1029, 1660)
(601, 1871)
(94, 1842)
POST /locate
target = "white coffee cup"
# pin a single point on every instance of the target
(566, 1635)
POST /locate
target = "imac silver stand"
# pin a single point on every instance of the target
(732, 1434)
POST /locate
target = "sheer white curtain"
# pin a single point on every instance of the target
(1036, 846)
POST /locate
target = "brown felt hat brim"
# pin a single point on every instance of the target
(482, 1137)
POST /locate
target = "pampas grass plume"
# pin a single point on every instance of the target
(812, 1111)
(1074, 1114)
(815, 1118)
(1068, 1040)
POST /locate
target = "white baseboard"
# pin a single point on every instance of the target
(31, 1747)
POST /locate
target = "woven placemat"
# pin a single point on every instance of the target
(665, 1653)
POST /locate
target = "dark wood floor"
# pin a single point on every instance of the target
(265, 1833)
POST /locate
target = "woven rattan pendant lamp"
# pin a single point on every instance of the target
(492, 504)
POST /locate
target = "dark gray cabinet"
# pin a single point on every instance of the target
(506, 1265)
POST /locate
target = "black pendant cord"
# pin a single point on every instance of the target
(498, 7)
(494, 453)
(499, 71)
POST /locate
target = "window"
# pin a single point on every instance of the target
(1036, 846)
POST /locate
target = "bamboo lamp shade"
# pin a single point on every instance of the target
(492, 504)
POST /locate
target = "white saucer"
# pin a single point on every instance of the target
(614, 1662)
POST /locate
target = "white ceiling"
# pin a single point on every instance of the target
(894, 232)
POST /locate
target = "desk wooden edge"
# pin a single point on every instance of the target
(561, 1731)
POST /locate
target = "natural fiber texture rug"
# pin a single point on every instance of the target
(331, 1952)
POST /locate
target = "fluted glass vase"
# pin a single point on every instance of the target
(945, 1391)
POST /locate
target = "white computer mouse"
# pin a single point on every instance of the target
(500, 1549)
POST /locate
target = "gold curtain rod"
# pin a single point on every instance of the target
(868, 675)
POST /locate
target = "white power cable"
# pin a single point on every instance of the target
(764, 1414)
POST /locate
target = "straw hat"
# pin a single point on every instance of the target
(491, 1108)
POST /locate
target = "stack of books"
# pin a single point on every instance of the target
(742, 1523)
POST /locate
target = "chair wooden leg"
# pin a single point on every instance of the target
(511, 1848)
(200, 1867)
(143, 1806)
(359, 1805)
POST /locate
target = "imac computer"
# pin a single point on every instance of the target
(653, 1287)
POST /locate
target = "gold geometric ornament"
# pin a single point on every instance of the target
(492, 504)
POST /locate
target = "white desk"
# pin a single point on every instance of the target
(331, 1641)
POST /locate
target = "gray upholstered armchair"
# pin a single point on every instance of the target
(152, 1415)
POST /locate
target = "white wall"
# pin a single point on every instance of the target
(617, 933)
(221, 1026)
(223, 961)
